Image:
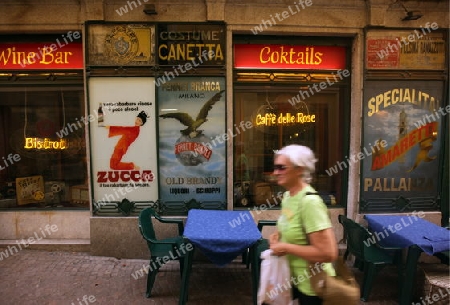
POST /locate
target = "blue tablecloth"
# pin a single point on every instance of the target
(404, 231)
(221, 235)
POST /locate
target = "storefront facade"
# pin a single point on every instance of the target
(184, 109)
(405, 120)
(43, 140)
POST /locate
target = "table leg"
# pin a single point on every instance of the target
(256, 250)
(409, 275)
(254, 273)
(184, 289)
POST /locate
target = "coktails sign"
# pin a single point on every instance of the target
(191, 146)
(403, 132)
(123, 139)
(272, 56)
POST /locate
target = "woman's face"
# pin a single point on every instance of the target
(287, 174)
(138, 121)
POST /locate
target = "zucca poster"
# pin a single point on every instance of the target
(192, 149)
(123, 138)
(402, 132)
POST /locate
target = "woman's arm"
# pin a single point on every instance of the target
(322, 247)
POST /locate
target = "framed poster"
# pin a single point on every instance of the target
(123, 138)
(30, 190)
(400, 49)
(402, 139)
(192, 139)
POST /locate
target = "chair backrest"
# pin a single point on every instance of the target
(263, 223)
(357, 237)
(146, 225)
(341, 219)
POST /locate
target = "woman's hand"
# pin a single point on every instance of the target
(274, 237)
(278, 248)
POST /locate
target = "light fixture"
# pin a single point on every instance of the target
(149, 9)
(411, 15)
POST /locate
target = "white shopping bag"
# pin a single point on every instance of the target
(275, 287)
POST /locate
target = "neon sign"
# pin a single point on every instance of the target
(274, 56)
(38, 56)
(46, 143)
(273, 119)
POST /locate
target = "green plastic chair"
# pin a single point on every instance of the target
(372, 257)
(341, 219)
(159, 249)
(247, 255)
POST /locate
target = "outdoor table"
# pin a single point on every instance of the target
(414, 233)
(220, 235)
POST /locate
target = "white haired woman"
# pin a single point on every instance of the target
(304, 231)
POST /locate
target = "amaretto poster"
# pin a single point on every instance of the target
(192, 145)
(402, 138)
(123, 138)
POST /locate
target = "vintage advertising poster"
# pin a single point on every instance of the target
(30, 190)
(377, 57)
(123, 138)
(192, 139)
(419, 49)
(402, 138)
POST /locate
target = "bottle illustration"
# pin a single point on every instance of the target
(100, 116)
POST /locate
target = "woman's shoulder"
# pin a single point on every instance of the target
(312, 197)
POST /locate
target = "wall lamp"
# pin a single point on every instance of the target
(149, 9)
(411, 15)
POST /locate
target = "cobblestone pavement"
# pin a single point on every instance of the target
(35, 277)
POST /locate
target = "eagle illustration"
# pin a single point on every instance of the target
(187, 120)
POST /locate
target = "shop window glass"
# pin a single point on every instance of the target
(277, 120)
(42, 148)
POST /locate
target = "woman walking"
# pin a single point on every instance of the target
(304, 231)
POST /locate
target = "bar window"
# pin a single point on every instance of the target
(279, 117)
(43, 148)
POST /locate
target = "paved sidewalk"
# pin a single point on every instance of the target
(35, 277)
(32, 277)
